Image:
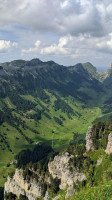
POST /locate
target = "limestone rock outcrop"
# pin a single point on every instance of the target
(70, 192)
(60, 168)
(17, 185)
(46, 196)
(99, 161)
(89, 141)
(109, 144)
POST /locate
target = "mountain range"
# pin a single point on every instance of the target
(44, 102)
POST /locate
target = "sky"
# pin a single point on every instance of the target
(65, 31)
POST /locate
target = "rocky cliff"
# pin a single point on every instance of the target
(58, 168)
(18, 185)
(109, 144)
(69, 168)
(89, 141)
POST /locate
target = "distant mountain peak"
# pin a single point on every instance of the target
(89, 67)
(51, 62)
(35, 60)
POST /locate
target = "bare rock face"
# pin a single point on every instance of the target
(70, 192)
(46, 196)
(60, 168)
(17, 185)
(89, 141)
(109, 144)
(99, 161)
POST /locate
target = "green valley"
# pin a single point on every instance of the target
(45, 103)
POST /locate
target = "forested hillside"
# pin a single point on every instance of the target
(43, 102)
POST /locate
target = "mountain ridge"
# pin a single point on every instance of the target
(21, 62)
(38, 64)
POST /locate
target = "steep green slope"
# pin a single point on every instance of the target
(95, 164)
(94, 73)
(23, 129)
(102, 192)
(92, 70)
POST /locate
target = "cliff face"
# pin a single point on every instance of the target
(90, 145)
(17, 185)
(89, 141)
(109, 144)
(59, 168)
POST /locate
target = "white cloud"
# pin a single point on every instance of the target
(7, 45)
(64, 40)
(58, 48)
(80, 46)
(64, 4)
(105, 44)
(59, 16)
(109, 44)
(37, 43)
(32, 49)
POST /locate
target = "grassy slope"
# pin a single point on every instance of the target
(102, 189)
(101, 192)
(102, 178)
(62, 137)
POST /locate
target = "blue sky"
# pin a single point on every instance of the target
(66, 31)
